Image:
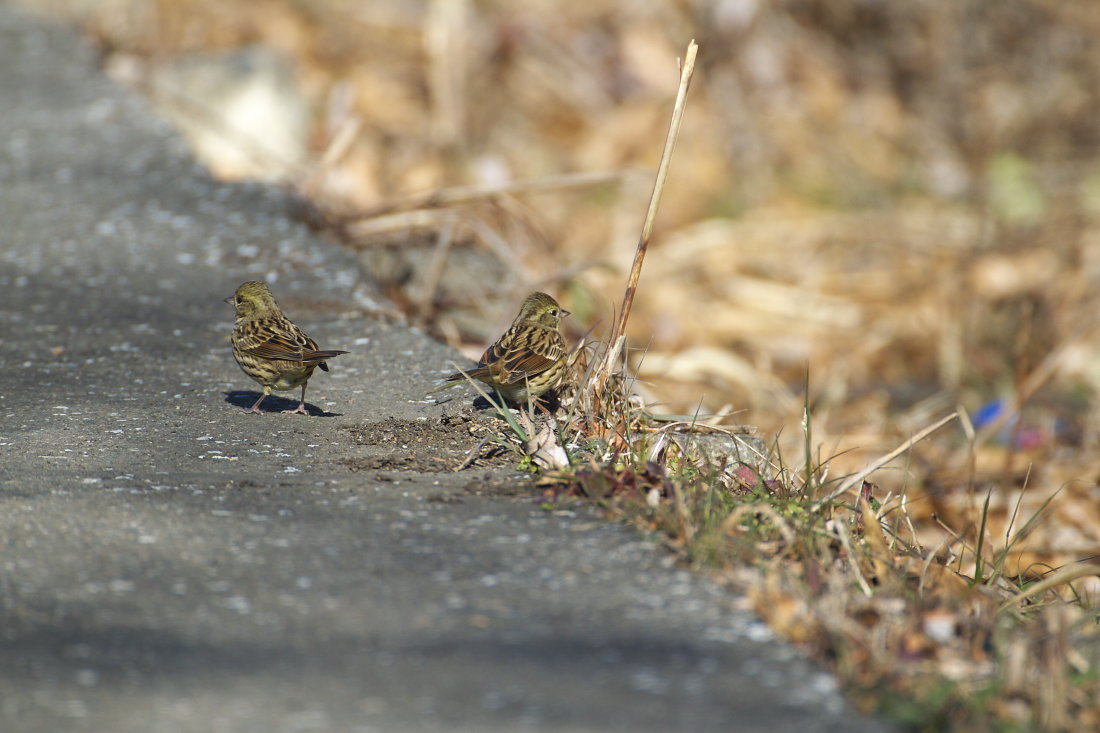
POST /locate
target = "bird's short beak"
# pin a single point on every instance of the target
(229, 300)
(565, 313)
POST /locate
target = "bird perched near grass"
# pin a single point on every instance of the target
(530, 358)
(269, 347)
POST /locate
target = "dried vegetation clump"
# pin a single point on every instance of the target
(899, 200)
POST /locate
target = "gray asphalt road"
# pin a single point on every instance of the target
(168, 563)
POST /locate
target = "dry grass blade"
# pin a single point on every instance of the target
(470, 194)
(360, 233)
(473, 453)
(878, 463)
(852, 557)
(930, 558)
(877, 541)
(1061, 577)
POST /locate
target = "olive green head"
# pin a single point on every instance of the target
(541, 309)
(253, 299)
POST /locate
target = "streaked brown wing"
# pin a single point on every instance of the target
(272, 338)
(522, 354)
(278, 350)
(525, 364)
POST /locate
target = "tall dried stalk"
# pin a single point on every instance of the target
(618, 333)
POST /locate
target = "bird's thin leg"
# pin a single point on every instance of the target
(301, 408)
(256, 405)
(536, 402)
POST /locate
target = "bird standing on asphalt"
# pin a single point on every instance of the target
(530, 358)
(269, 347)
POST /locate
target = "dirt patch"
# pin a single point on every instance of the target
(426, 445)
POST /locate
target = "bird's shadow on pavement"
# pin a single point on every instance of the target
(274, 403)
(549, 402)
(479, 402)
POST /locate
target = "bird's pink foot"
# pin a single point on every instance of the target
(256, 405)
(299, 410)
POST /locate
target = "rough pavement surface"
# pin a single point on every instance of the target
(168, 563)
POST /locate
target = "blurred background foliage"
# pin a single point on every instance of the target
(899, 199)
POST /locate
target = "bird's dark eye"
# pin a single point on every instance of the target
(553, 311)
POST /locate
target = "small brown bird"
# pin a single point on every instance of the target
(530, 358)
(271, 349)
